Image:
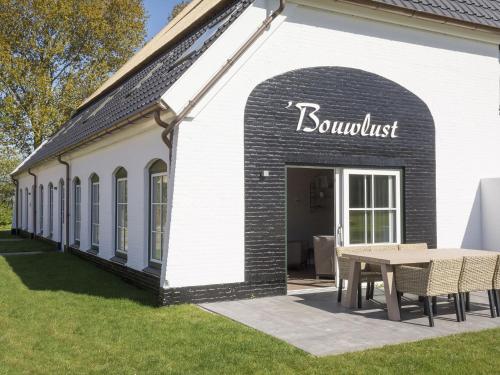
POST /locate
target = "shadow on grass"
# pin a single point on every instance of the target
(68, 273)
(6, 234)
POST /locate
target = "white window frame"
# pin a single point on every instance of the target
(21, 207)
(373, 172)
(26, 210)
(151, 204)
(51, 210)
(40, 208)
(94, 226)
(62, 211)
(77, 207)
(117, 227)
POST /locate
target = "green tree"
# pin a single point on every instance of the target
(177, 9)
(54, 54)
(9, 159)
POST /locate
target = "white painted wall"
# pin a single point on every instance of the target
(490, 207)
(134, 149)
(456, 77)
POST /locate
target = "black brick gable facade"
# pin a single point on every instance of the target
(272, 142)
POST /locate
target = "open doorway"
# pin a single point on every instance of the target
(310, 213)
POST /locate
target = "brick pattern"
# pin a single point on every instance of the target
(272, 142)
(138, 278)
(220, 292)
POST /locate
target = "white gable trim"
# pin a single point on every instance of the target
(191, 82)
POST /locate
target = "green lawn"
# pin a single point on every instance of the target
(14, 244)
(60, 314)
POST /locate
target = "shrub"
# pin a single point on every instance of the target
(5, 214)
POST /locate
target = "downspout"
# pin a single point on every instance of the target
(66, 202)
(229, 63)
(16, 183)
(165, 136)
(34, 201)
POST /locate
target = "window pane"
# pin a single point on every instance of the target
(156, 218)
(369, 203)
(125, 239)
(164, 189)
(356, 191)
(163, 215)
(120, 219)
(156, 189)
(385, 228)
(392, 191)
(369, 226)
(120, 192)
(381, 191)
(357, 227)
(95, 234)
(119, 239)
(156, 246)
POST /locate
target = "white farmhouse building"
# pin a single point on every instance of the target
(246, 127)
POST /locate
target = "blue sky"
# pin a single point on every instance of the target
(158, 11)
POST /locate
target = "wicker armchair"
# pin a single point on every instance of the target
(477, 275)
(324, 255)
(439, 277)
(413, 246)
(367, 275)
(496, 287)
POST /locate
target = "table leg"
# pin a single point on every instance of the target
(391, 296)
(352, 286)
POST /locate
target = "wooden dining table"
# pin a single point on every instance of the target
(387, 261)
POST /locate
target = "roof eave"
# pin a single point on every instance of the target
(120, 124)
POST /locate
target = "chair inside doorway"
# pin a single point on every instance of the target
(310, 228)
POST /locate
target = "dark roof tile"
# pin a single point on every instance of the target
(480, 12)
(134, 93)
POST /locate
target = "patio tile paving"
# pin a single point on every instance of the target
(316, 323)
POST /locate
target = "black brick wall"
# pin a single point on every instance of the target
(220, 292)
(138, 278)
(272, 142)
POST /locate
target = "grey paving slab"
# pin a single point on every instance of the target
(316, 323)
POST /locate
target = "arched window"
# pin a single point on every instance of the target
(51, 209)
(121, 219)
(26, 219)
(61, 211)
(40, 209)
(94, 211)
(77, 209)
(157, 210)
(20, 204)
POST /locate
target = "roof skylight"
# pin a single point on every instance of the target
(203, 38)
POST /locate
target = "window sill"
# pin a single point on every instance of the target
(119, 260)
(92, 251)
(152, 271)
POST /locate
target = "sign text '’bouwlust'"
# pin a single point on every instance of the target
(364, 129)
